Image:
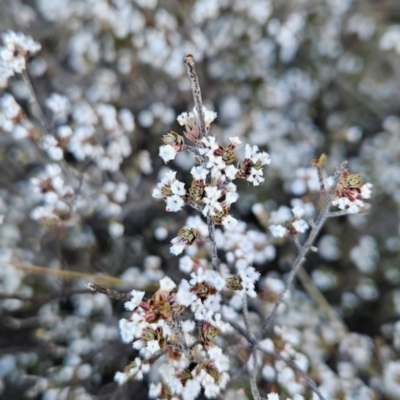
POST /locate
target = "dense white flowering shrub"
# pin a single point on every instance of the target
(188, 359)
(209, 305)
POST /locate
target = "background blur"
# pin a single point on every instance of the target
(295, 77)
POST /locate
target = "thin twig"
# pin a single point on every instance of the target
(335, 214)
(300, 259)
(245, 313)
(254, 343)
(198, 103)
(193, 150)
(35, 105)
(253, 380)
(213, 243)
(39, 270)
(319, 298)
(114, 294)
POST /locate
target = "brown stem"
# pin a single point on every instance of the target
(114, 294)
(198, 103)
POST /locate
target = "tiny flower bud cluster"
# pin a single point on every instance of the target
(350, 191)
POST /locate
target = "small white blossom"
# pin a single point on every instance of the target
(300, 225)
(211, 200)
(235, 141)
(135, 301)
(298, 211)
(153, 346)
(167, 153)
(231, 171)
(256, 176)
(178, 188)
(174, 203)
(199, 173)
(366, 190)
(167, 284)
(177, 248)
(229, 222)
(278, 231)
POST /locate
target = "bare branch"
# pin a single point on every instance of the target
(35, 105)
(253, 380)
(213, 243)
(198, 102)
(308, 245)
(114, 294)
(254, 343)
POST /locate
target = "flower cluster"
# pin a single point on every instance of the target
(350, 191)
(189, 360)
(292, 227)
(14, 54)
(212, 189)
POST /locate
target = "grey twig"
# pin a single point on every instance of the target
(254, 343)
(114, 294)
(213, 243)
(193, 150)
(35, 105)
(253, 380)
(300, 259)
(198, 103)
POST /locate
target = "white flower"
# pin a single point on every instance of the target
(17, 40)
(209, 116)
(300, 225)
(267, 345)
(178, 188)
(272, 396)
(116, 230)
(298, 211)
(120, 378)
(256, 176)
(352, 207)
(199, 173)
(254, 155)
(185, 264)
(211, 200)
(366, 190)
(167, 284)
(229, 222)
(191, 390)
(59, 105)
(278, 231)
(186, 119)
(135, 301)
(231, 197)
(209, 146)
(155, 390)
(341, 202)
(177, 248)
(215, 162)
(174, 203)
(156, 193)
(153, 346)
(221, 361)
(235, 141)
(184, 296)
(167, 153)
(231, 171)
(264, 158)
